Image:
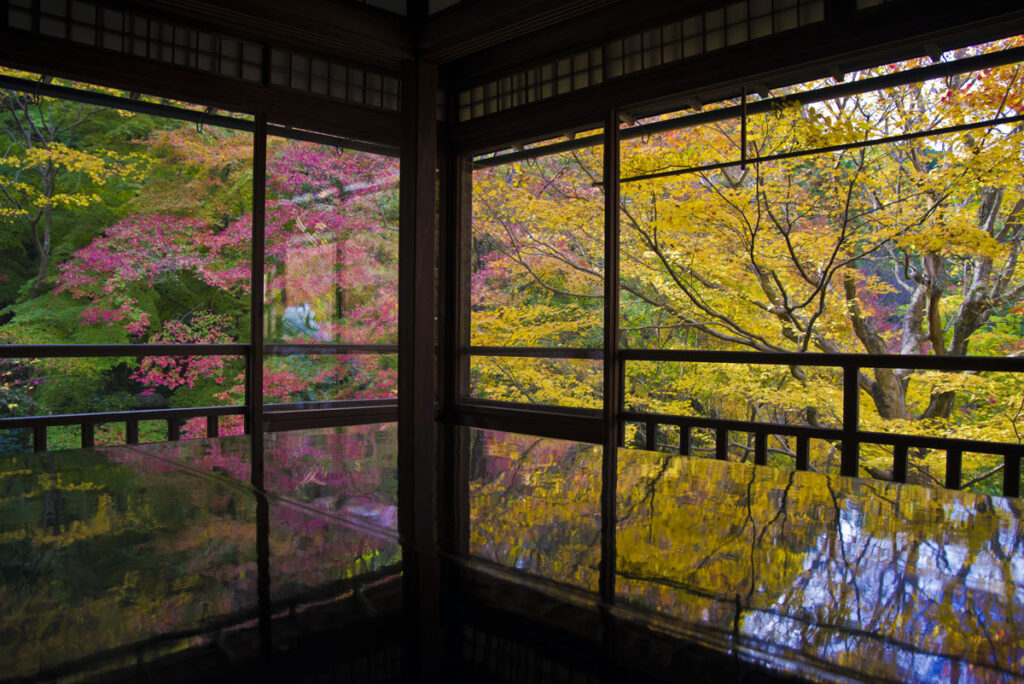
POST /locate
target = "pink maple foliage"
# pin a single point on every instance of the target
(329, 250)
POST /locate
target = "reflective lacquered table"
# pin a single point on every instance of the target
(828, 578)
(155, 562)
(149, 562)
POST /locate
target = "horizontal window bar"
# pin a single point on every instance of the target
(347, 404)
(534, 153)
(126, 104)
(20, 351)
(938, 70)
(182, 114)
(578, 425)
(315, 348)
(535, 352)
(331, 140)
(54, 351)
(281, 421)
(913, 362)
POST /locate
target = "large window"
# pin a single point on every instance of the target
(826, 258)
(126, 226)
(331, 269)
(831, 218)
(537, 272)
(121, 227)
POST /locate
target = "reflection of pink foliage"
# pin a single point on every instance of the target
(324, 172)
(348, 470)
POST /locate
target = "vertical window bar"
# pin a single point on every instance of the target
(254, 370)
(849, 464)
(1011, 472)
(721, 444)
(684, 440)
(39, 438)
(743, 129)
(802, 452)
(88, 435)
(613, 367)
(899, 462)
(173, 429)
(652, 435)
(621, 400)
(760, 448)
(131, 432)
(954, 468)
(212, 426)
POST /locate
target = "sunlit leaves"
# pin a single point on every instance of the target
(909, 246)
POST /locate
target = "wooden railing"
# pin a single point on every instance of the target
(276, 417)
(586, 426)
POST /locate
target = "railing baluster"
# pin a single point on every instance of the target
(721, 444)
(803, 460)
(1011, 472)
(88, 435)
(850, 456)
(760, 448)
(622, 401)
(684, 440)
(954, 467)
(131, 432)
(39, 438)
(173, 429)
(899, 462)
(212, 426)
(651, 435)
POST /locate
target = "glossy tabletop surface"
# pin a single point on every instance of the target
(113, 558)
(117, 556)
(827, 577)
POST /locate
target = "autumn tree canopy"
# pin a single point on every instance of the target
(120, 227)
(909, 246)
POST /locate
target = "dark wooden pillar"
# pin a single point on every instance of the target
(613, 376)
(453, 338)
(254, 362)
(417, 457)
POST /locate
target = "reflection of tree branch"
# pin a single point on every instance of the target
(842, 548)
(514, 476)
(650, 489)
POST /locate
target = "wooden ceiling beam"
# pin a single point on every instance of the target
(38, 54)
(470, 48)
(845, 42)
(352, 33)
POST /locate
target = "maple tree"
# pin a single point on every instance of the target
(52, 167)
(906, 247)
(165, 257)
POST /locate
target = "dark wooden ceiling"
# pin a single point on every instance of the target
(476, 39)
(474, 42)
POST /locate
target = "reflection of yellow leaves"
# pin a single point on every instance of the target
(187, 583)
